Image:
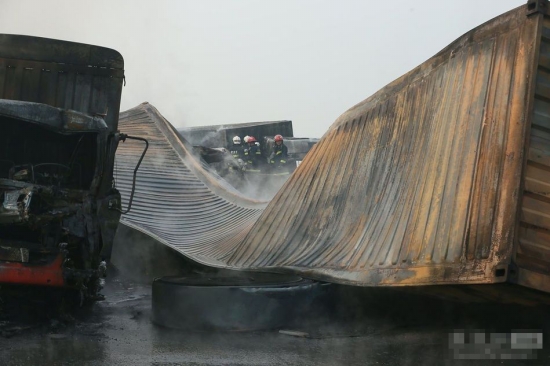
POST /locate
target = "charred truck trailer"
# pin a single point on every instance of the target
(59, 209)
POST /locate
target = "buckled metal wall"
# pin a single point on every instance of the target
(419, 184)
(178, 201)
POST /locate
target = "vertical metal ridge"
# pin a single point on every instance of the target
(424, 195)
(330, 237)
(397, 208)
(429, 93)
(172, 204)
(458, 85)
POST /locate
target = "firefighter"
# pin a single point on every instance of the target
(237, 149)
(245, 147)
(253, 156)
(279, 155)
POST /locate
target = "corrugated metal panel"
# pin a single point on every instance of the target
(533, 254)
(418, 184)
(62, 74)
(178, 201)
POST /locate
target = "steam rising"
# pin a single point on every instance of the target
(263, 187)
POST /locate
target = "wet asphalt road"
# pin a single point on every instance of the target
(118, 331)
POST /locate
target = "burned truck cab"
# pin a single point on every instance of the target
(59, 208)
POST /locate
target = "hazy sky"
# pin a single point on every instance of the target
(229, 61)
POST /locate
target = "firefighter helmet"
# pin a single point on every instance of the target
(251, 139)
(236, 140)
(278, 138)
(246, 139)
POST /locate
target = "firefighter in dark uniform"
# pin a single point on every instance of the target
(253, 156)
(279, 156)
(245, 148)
(237, 149)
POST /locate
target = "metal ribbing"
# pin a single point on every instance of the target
(416, 185)
(413, 185)
(534, 233)
(178, 200)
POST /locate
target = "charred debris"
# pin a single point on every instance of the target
(59, 207)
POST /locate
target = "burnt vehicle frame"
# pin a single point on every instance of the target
(59, 207)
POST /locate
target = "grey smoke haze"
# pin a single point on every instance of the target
(229, 61)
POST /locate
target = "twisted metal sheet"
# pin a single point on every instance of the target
(178, 200)
(418, 184)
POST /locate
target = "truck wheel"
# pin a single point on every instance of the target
(241, 302)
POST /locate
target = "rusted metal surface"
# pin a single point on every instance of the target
(178, 200)
(533, 252)
(418, 184)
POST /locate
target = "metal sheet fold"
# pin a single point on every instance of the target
(178, 200)
(418, 184)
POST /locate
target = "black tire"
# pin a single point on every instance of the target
(249, 301)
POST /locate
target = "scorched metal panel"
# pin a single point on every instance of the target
(422, 183)
(418, 184)
(62, 74)
(533, 252)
